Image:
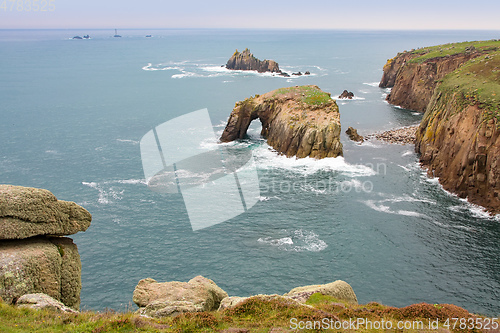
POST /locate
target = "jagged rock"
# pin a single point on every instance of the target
(339, 289)
(307, 73)
(346, 95)
(40, 265)
(42, 301)
(171, 298)
(246, 61)
(353, 134)
(27, 212)
(297, 121)
(284, 74)
(297, 74)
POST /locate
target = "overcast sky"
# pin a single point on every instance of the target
(303, 14)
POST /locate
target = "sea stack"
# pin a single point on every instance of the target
(301, 121)
(248, 62)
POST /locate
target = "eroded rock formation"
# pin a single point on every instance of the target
(353, 135)
(247, 61)
(297, 121)
(32, 258)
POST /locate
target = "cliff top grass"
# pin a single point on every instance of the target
(253, 315)
(310, 95)
(444, 50)
(479, 82)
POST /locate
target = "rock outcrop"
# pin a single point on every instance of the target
(297, 121)
(27, 212)
(42, 301)
(346, 95)
(248, 62)
(353, 135)
(30, 260)
(172, 298)
(339, 289)
(234, 301)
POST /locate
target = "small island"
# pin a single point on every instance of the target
(301, 121)
(246, 61)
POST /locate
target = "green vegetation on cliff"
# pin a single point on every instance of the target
(310, 95)
(440, 51)
(250, 316)
(478, 82)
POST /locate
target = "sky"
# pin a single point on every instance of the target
(251, 14)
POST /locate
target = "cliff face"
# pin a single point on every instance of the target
(246, 61)
(413, 82)
(297, 121)
(459, 137)
(462, 149)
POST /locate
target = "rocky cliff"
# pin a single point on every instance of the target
(459, 136)
(247, 61)
(297, 121)
(33, 259)
(414, 75)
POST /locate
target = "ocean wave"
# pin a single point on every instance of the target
(380, 207)
(267, 158)
(108, 191)
(128, 141)
(371, 84)
(297, 241)
(355, 98)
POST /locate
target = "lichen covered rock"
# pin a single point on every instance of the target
(297, 121)
(171, 298)
(40, 265)
(27, 212)
(339, 289)
(42, 301)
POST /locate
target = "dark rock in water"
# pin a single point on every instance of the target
(246, 61)
(307, 73)
(298, 74)
(353, 134)
(346, 94)
(77, 37)
(284, 74)
(300, 121)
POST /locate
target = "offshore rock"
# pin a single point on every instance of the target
(247, 61)
(172, 298)
(300, 121)
(346, 95)
(353, 135)
(27, 212)
(40, 265)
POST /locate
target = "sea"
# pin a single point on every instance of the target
(73, 113)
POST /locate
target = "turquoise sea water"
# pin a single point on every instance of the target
(72, 114)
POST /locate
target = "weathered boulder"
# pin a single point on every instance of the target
(27, 212)
(339, 289)
(42, 301)
(247, 61)
(346, 95)
(40, 265)
(352, 133)
(300, 121)
(171, 298)
(234, 301)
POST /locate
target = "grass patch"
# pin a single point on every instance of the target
(309, 95)
(454, 48)
(478, 82)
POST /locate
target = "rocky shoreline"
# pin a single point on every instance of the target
(404, 135)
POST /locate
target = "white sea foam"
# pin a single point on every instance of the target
(267, 158)
(105, 195)
(380, 207)
(297, 241)
(128, 141)
(372, 84)
(408, 153)
(355, 98)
